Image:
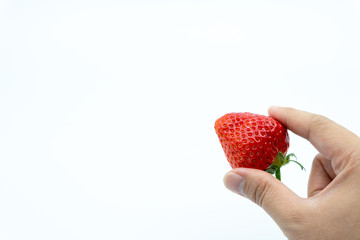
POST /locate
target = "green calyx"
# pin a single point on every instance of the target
(280, 161)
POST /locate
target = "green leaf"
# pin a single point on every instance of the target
(272, 169)
(302, 167)
(287, 159)
(281, 158)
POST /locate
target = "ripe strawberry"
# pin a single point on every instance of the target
(254, 141)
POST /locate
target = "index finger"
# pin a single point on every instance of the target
(332, 140)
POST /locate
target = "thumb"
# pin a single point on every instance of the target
(283, 205)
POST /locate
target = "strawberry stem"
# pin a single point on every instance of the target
(278, 174)
(280, 161)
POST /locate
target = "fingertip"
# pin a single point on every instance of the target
(273, 109)
(234, 182)
(279, 109)
(279, 113)
(282, 114)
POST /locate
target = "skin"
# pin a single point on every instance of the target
(332, 209)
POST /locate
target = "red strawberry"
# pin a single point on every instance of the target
(254, 141)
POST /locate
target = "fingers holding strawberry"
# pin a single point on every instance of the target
(332, 210)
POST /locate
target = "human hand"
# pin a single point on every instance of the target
(332, 209)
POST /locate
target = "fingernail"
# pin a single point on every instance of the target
(274, 108)
(235, 183)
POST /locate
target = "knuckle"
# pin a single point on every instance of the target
(353, 154)
(260, 191)
(353, 157)
(317, 122)
(346, 157)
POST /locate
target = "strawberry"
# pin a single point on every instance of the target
(254, 141)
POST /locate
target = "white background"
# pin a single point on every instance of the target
(107, 109)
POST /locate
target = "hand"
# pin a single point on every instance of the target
(332, 209)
